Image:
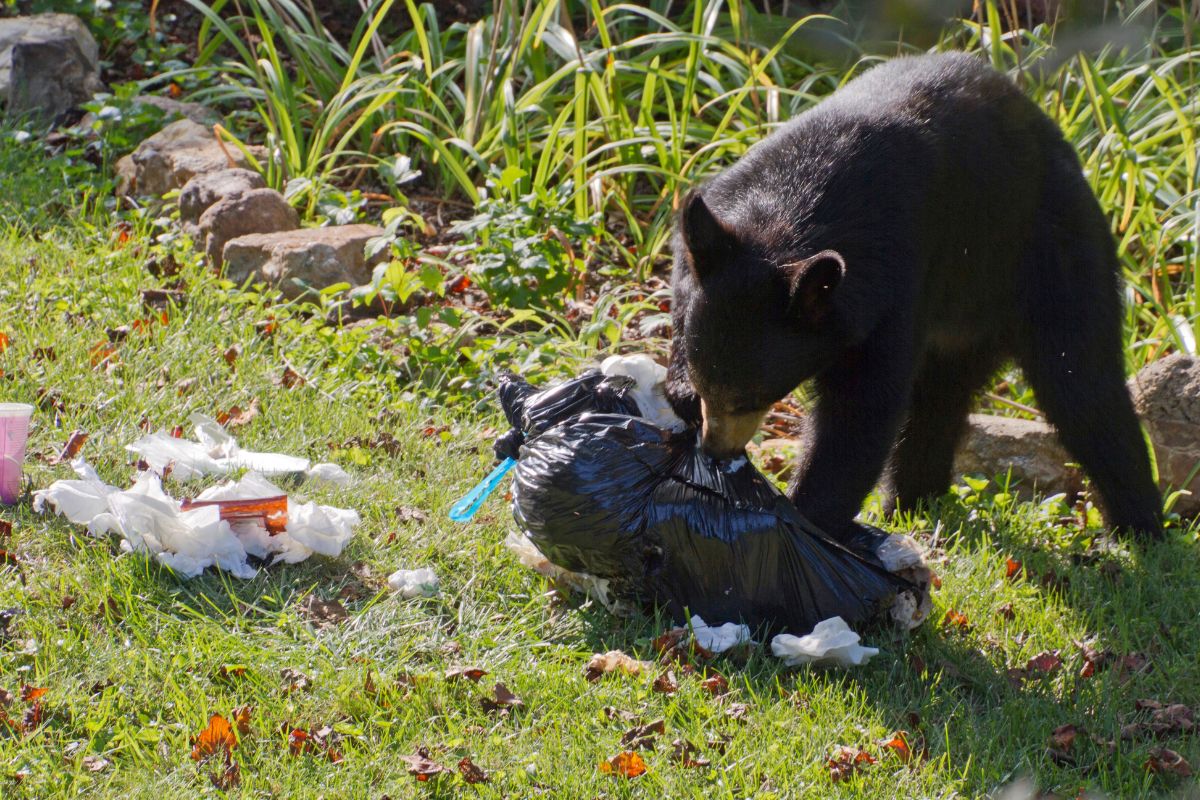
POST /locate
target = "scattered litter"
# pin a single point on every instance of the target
(215, 452)
(831, 641)
(719, 638)
(648, 389)
(190, 539)
(410, 583)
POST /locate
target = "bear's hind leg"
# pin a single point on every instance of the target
(1071, 354)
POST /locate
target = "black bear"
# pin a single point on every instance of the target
(896, 243)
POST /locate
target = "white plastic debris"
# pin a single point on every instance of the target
(216, 452)
(650, 391)
(581, 582)
(831, 642)
(904, 556)
(151, 521)
(410, 583)
(719, 638)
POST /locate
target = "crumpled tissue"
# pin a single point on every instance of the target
(215, 452)
(831, 641)
(410, 583)
(151, 521)
(719, 638)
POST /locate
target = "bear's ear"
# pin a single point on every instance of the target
(813, 283)
(709, 243)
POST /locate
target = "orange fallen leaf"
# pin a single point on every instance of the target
(846, 761)
(625, 764)
(216, 739)
(1012, 568)
(31, 694)
(3, 341)
(898, 744)
(956, 619)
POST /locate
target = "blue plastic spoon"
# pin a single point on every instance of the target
(465, 509)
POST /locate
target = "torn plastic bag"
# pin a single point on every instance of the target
(601, 490)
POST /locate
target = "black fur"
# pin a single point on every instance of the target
(896, 243)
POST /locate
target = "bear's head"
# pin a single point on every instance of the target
(755, 318)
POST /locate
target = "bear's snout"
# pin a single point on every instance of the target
(725, 434)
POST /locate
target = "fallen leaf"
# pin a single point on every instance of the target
(458, 285)
(421, 766)
(626, 764)
(230, 776)
(602, 664)
(237, 416)
(666, 683)
(500, 700)
(1162, 760)
(1006, 611)
(293, 680)
(241, 718)
(898, 744)
(102, 353)
(642, 737)
(1063, 737)
(408, 514)
(323, 613)
(228, 672)
(846, 761)
(217, 739)
(96, 763)
(1012, 568)
(715, 684)
(956, 619)
(611, 712)
(737, 711)
(1045, 663)
(231, 354)
(686, 754)
(31, 694)
(471, 772)
(472, 674)
(290, 378)
(4, 341)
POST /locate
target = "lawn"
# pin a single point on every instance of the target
(1040, 621)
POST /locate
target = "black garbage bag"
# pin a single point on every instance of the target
(601, 490)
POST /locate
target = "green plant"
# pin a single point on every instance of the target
(524, 251)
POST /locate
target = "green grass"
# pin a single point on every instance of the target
(132, 656)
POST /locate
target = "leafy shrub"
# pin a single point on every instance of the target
(523, 250)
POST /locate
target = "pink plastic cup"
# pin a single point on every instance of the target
(14, 433)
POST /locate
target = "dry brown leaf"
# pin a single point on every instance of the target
(323, 613)
(229, 777)
(471, 772)
(666, 683)
(602, 664)
(96, 763)
(421, 766)
(715, 684)
(686, 754)
(642, 736)
(500, 700)
(1162, 760)
(459, 673)
(237, 416)
(71, 449)
(846, 761)
(241, 718)
(293, 680)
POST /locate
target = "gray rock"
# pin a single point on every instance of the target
(50, 77)
(1031, 449)
(204, 190)
(170, 158)
(296, 261)
(253, 211)
(43, 28)
(1166, 395)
